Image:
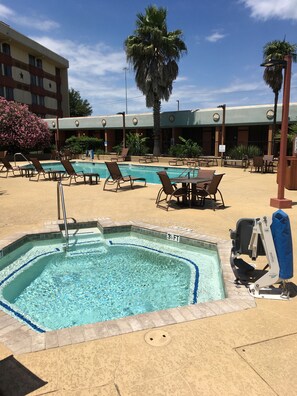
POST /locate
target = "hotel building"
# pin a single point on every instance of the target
(33, 75)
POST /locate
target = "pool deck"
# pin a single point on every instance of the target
(251, 349)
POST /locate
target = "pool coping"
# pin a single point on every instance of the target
(20, 338)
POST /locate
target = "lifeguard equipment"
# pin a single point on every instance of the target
(266, 236)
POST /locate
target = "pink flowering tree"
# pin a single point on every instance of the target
(20, 129)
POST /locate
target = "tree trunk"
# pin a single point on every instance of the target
(274, 121)
(157, 126)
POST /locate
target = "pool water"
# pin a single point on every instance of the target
(149, 172)
(100, 279)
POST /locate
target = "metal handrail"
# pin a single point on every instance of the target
(22, 155)
(61, 200)
(189, 172)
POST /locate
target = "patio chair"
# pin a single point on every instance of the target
(71, 172)
(7, 167)
(122, 156)
(258, 164)
(207, 174)
(210, 190)
(116, 178)
(38, 170)
(170, 191)
(266, 236)
(268, 163)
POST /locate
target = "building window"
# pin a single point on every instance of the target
(9, 93)
(40, 82)
(39, 63)
(35, 61)
(6, 48)
(31, 60)
(36, 81)
(37, 100)
(6, 92)
(34, 99)
(33, 79)
(7, 70)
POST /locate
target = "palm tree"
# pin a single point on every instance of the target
(153, 52)
(273, 75)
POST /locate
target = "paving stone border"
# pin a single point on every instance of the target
(20, 338)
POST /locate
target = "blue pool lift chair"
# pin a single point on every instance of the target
(270, 237)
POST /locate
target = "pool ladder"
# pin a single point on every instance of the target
(20, 155)
(189, 172)
(61, 202)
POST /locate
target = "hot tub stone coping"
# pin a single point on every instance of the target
(20, 338)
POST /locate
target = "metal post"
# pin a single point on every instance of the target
(281, 202)
(126, 93)
(223, 107)
(124, 127)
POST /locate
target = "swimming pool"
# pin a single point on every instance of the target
(104, 277)
(149, 172)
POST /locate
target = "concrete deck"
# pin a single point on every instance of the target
(248, 351)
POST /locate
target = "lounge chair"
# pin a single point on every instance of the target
(147, 158)
(266, 236)
(66, 154)
(38, 170)
(71, 172)
(116, 178)
(177, 161)
(7, 167)
(122, 156)
(210, 190)
(170, 191)
(55, 155)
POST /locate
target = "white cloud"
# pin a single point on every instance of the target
(39, 23)
(216, 36)
(96, 71)
(6, 12)
(92, 60)
(267, 9)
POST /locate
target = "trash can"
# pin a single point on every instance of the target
(291, 173)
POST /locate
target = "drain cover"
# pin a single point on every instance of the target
(157, 338)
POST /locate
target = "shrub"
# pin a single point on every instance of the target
(186, 149)
(21, 130)
(239, 152)
(136, 143)
(80, 144)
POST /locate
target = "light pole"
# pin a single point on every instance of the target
(177, 105)
(124, 127)
(223, 107)
(126, 94)
(57, 135)
(281, 202)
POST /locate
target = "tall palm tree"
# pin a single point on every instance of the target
(273, 75)
(153, 52)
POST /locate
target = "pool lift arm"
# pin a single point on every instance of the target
(263, 287)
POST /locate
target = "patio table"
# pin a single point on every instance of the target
(191, 184)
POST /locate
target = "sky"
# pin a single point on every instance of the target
(224, 40)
